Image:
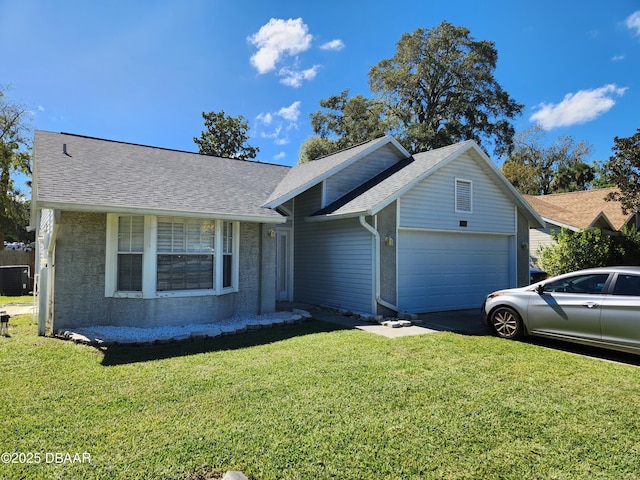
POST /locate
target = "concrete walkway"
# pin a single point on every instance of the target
(466, 322)
(17, 309)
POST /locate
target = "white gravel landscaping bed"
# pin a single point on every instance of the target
(111, 335)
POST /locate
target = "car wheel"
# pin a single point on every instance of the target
(507, 323)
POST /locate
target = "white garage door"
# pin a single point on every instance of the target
(450, 271)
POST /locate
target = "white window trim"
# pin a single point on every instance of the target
(149, 262)
(455, 198)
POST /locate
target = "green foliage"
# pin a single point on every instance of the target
(225, 136)
(589, 248)
(436, 90)
(345, 122)
(439, 88)
(624, 171)
(538, 169)
(316, 147)
(15, 142)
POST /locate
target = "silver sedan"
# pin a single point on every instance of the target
(598, 306)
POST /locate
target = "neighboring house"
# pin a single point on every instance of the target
(577, 211)
(136, 235)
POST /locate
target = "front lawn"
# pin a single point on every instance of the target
(313, 401)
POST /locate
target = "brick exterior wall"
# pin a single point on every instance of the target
(79, 290)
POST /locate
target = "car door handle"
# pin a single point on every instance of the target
(590, 304)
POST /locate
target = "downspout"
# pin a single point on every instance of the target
(376, 248)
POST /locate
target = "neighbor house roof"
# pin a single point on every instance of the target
(304, 176)
(371, 197)
(74, 172)
(580, 210)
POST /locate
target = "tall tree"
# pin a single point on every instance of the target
(14, 157)
(624, 171)
(344, 122)
(225, 136)
(316, 147)
(440, 88)
(535, 168)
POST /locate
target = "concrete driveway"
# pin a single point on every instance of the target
(460, 321)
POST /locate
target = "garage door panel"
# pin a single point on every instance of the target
(442, 271)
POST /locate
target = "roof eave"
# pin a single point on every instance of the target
(560, 224)
(339, 216)
(272, 217)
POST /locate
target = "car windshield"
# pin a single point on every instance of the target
(588, 283)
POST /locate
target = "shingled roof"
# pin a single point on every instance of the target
(89, 174)
(580, 210)
(371, 197)
(303, 177)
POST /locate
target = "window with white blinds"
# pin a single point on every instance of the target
(129, 251)
(185, 254)
(150, 257)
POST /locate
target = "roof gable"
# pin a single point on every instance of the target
(302, 177)
(580, 210)
(82, 173)
(373, 196)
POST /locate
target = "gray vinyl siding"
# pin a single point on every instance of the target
(333, 259)
(541, 238)
(431, 204)
(356, 174)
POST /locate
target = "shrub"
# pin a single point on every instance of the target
(589, 248)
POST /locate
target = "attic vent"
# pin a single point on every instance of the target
(463, 196)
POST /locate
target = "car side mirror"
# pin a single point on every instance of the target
(540, 289)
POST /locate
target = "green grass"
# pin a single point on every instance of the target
(4, 300)
(313, 401)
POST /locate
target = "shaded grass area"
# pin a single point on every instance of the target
(313, 401)
(21, 299)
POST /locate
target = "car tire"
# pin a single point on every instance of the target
(506, 323)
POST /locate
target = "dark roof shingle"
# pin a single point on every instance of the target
(77, 172)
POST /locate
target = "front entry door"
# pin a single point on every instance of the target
(283, 265)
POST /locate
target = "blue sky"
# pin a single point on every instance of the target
(144, 71)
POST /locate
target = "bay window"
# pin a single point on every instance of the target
(149, 256)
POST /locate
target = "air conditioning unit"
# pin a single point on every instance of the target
(15, 280)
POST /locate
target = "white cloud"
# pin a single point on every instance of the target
(335, 45)
(580, 107)
(280, 156)
(633, 22)
(293, 77)
(291, 113)
(617, 58)
(277, 39)
(264, 118)
(280, 122)
(40, 108)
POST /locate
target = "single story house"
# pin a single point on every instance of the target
(577, 211)
(137, 235)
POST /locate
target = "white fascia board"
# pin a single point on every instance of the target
(326, 218)
(76, 207)
(560, 224)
